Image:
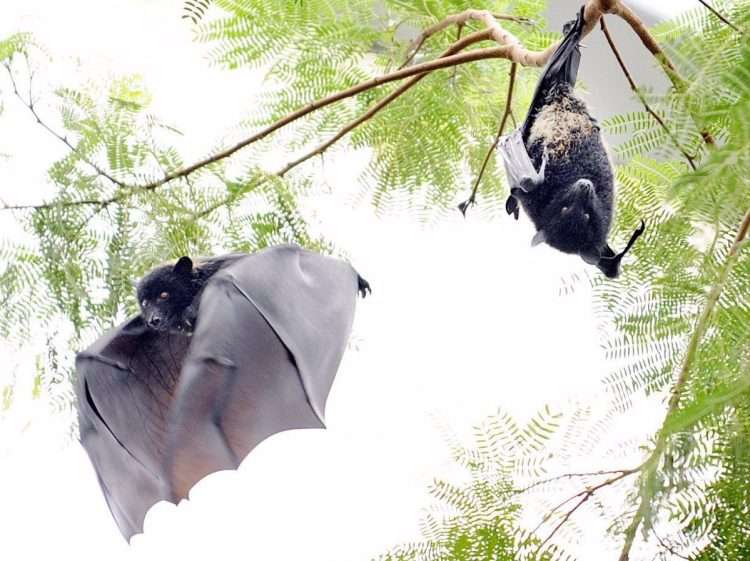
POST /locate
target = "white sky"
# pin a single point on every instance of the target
(465, 318)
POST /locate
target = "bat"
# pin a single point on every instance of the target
(244, 346)
(558, 167)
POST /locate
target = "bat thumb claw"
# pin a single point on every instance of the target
(363, 287)
(464, 206)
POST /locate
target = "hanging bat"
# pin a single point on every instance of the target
(558, 168)
(225, 353)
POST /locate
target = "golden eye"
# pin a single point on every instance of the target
(163, 295)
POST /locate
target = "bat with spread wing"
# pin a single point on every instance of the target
(164, 401)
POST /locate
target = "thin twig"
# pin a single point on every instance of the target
(648, 40)
(372, 111)
(572, 475)
(642, 97)
(651, 465)
(718, 14)
(472, 198)
(446, 62)
(459, 32)
(585, 495)
(59, 204)
(669, 548)
(564, 519)
(459, 20)
(30, 106)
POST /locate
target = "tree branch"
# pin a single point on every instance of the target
(718, 14)
(669, 548)
(653, 47)
(446, 62)
(460, 20)
(572, 475)
(508, 109)
(372, 111)
(652, 463)
(641, 97)
(30, 106)
(585, 495)
(510, 49)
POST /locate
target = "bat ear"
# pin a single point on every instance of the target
(183, 266)
(539, 237)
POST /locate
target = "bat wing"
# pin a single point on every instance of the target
(125, 383)
(271, 331)
(518, 165)
(561, 67)
(158, 411)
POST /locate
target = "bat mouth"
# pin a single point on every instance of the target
(584, 186)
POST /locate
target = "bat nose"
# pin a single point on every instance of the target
(585, 185)
(154, 321)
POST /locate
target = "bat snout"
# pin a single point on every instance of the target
(585, 186)
(155, 321)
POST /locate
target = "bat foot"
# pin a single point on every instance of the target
(363, 287)
(188, 319)
(464, 206)
(511, 206)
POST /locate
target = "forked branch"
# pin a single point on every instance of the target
(458, 46)
(642, 97)
(510, 48)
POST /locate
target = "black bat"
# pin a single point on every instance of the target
(244, 346)
(558, 167)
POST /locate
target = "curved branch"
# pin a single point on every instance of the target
(460, 20)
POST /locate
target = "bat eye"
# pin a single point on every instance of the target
(163, 295)
(144, 303)
(586, 216)
(564, 210)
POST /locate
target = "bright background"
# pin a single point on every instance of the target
(465, 318)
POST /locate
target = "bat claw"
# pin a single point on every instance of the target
(464, 206)
(511, 206)
(363, 287)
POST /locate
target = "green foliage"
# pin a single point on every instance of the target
(680, 312)
(658, 308)
(426, 146)
(101, 232)
(480, 519)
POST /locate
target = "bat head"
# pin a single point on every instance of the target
(575, 220)
(165, 293)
